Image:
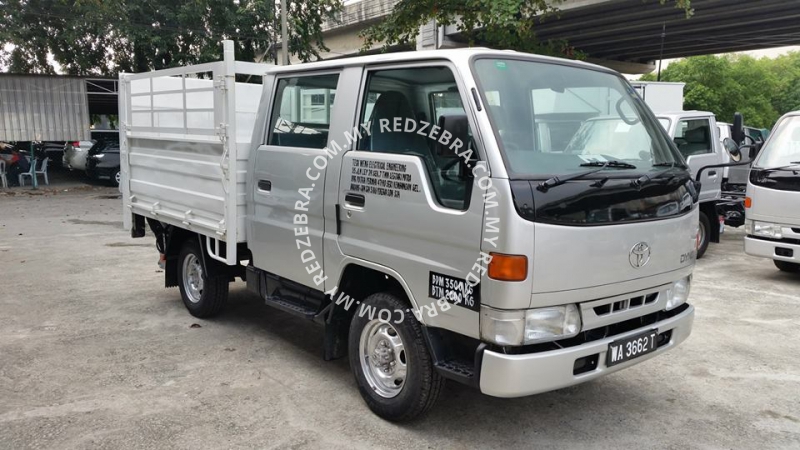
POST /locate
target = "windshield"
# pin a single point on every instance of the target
(551, 118)
(783, 148)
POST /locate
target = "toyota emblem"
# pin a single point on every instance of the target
(639, 255)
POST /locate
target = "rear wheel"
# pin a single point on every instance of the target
(204, 294)
(390, 360)
(787, 266)
(704, 235)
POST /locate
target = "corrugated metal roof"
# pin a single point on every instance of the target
(43, 108)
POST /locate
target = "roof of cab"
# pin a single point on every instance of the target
(679, 114)
(460, 55)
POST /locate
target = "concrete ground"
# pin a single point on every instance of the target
(95, 353)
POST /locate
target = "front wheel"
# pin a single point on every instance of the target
(204, 294)
(390, 360)
(704, 235)
(786, 266)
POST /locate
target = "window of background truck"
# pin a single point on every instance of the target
(784, 146)
(422, 95)
(301, 112)
(550, 118)
(693, 137)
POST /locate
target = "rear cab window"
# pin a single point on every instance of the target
(301, 112)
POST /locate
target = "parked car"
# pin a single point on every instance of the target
(75, 154)
(53, 150)
(102, 162)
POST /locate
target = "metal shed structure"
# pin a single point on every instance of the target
(52, 107)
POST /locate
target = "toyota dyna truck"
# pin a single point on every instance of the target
(773, 197)
(424, 209)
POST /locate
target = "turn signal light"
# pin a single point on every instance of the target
(508, 267)
(748, 202)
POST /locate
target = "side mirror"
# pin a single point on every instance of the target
(458, 127)
(737, 130)
(732, 149)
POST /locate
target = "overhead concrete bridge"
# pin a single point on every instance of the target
(625, 35)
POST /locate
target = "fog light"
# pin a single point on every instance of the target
(678, 293)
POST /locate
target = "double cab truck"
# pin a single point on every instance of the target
(433, 211)
(773, 198)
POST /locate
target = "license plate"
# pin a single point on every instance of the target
(631, 348)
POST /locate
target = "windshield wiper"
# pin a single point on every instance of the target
(613, 163)
(601, 165)
(669, 164)
(646, 178)
(786, 167)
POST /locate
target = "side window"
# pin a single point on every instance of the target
(422, 97)
(301, 112)
(693, 137)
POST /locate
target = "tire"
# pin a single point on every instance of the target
(421, 385)
(115, 180)
(786, 266)
(705, 235)
(203, 294)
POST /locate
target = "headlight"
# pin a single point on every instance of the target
(678, 293)
(764, 229)
(98, 155)
(531, 326)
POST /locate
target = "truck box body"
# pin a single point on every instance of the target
(185, 143)
(660, 96)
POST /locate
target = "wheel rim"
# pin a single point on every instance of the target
(383, 358)
(192, 278)
(117, 177)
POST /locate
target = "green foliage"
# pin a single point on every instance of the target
(761, 89)
(105, 37)
(507, 24)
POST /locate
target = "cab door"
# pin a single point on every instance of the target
(287, 220)
(695, 138)
(408, 203)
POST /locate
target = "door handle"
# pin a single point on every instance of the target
(356, 200)
(265, 185)
(712, 173)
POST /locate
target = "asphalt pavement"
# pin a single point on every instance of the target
(96, 353)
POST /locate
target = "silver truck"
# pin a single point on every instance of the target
(423, 208)
(773, 198)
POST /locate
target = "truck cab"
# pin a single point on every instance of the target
(443, 215)
(773, 197)
(697, 137)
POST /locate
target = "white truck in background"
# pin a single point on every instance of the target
(773, 198)
(703, 142)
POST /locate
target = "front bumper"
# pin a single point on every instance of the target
(777, 250)
(504, 375)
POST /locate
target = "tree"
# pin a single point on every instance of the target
(507, 24)
(761, 89)
(104, 37)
